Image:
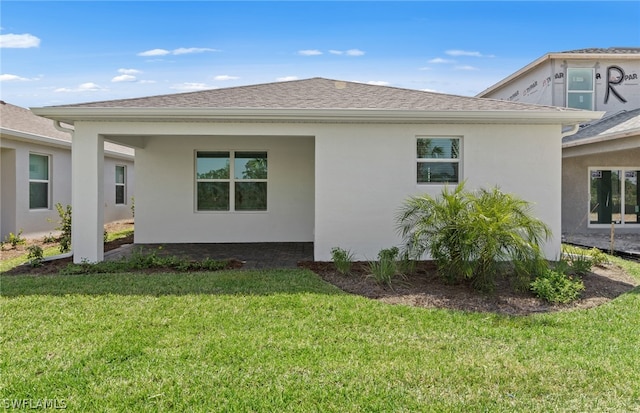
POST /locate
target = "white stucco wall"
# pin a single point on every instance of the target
(364, 173)
(165, 204)
(338, 185)
(16, 214)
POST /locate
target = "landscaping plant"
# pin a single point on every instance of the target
(557, 287)
(64, 226)
(342, 259)
(386, 267)
(471, 234)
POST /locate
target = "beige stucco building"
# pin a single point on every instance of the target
(316, 160)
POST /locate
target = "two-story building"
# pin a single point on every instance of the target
(601, 162)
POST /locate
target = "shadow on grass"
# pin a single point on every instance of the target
(225, 282)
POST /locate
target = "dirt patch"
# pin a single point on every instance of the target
(425, 288)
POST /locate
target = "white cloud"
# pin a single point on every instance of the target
(467, 67)
(84, 87)
(309, 52)
(12, 78)
(190, 50)
(350, 52)
(354, 52)
(18, 41)
(225, 77)
(154, 52)
(176, 52)
(190, 86)
(286, 78)
(129, 71)
(456, 52)
(439, 60)
(124, 78)
(147, 81)
(378, 83)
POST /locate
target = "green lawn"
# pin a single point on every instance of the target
(284, 340)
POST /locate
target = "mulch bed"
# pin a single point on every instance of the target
(425, 288)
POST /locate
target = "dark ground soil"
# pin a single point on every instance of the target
(426, 289)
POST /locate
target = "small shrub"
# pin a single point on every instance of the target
(581, 264)
(342, 259)
(64, 226)
(49, 239)
(386, 267)
(35, 255)
(15, 239)
(598, 257)
(557, 287)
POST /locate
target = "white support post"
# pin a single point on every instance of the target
(87, 188)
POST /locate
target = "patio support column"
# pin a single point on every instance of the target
(87, 158)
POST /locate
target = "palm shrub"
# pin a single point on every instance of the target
(471, 234)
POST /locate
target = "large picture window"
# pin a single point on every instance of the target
(39, 183)
(438, 160)
(231, 181)
(613, 196)
(121, 184)
(580, 88)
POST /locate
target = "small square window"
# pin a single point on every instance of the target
(438, 160)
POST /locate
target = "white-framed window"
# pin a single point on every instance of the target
(613, 196)
(231, 180)
(580, 86)
(438, 159)
(39, 181)
(121, 184)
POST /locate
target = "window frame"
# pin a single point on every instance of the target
(623, 212)
(121, 184)
(578, 91)
(418, 160)
(46, 181)
(231, 181)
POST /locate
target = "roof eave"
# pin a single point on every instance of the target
(605, 137)
(553, 115)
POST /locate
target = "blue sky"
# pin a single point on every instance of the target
(66, 52)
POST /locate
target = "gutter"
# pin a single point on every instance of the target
(552, 115)
(58, 126)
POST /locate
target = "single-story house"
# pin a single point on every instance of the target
(35, 170)
(315, 160)
(600, 173)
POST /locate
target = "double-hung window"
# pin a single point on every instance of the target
(121, 184)
(614, 196)
(438, 159)
(231, 181)
(580, 85)
(39, 183)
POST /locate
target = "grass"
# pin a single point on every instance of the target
(283, 340)
(6, 265)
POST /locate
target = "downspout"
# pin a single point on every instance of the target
(58, 126)
(571, 131)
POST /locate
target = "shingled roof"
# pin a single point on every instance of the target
(317, 94)
(618, 123)
(21, 120)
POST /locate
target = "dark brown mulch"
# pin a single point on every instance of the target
(425, 288)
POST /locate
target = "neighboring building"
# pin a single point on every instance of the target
(316, 160)
(35, 170)
(592, 79)
(600, 174)
(602, 160)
